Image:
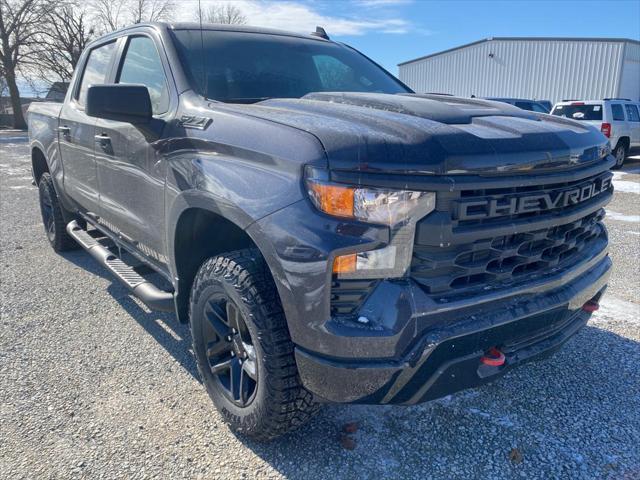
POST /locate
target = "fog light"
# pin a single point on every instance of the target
(383, 259)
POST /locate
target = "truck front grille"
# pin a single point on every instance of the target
(501, 261)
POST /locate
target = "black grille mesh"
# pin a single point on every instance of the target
(503, 260)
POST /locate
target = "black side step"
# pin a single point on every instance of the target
(151, 295)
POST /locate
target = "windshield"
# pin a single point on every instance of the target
(579, 112)
(239, 67)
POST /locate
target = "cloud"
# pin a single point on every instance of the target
(303, 18)
(382, 3)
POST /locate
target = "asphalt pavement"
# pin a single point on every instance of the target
(94, 385)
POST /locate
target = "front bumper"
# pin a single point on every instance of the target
(417, 344)
(446, 358)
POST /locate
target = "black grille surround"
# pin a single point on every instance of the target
(348, 295)
(480, 256)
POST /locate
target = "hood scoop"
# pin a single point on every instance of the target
(439, 108)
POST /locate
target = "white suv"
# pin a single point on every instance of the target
(617, 118)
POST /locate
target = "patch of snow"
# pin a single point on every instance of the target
(622, 217)
(613, 308)
(626, 187)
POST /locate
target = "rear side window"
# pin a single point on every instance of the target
(538, 107)
(524, 105)
(579, 112)
(632, 113)
(96, 69)
(142, 66)
(617, 112)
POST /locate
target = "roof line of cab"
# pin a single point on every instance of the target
(159, 26)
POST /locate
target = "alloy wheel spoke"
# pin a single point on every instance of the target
(249, 367)
(217, 348)
(232, 316)
(244, 386)
(217, 321)
(235, 378)
(223, 366)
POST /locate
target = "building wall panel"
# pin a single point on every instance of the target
(547, 69)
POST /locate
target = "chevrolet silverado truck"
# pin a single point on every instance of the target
(328, 234)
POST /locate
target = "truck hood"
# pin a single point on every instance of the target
(434, 134)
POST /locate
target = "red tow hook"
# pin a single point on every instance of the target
(493, 357)
(591, 306)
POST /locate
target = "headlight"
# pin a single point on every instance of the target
(398, 209)
(372, 205)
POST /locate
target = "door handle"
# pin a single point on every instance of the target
(105, 143)
(65, 131)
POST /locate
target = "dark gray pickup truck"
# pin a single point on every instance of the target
(330, 235)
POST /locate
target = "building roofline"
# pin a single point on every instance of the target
(524, 39)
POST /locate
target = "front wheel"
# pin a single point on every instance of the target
(243, 349)
(620, 153)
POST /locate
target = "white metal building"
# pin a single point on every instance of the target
(528, 67)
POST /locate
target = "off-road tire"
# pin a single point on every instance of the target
(52, 217)
(620, 152)
(280, 403)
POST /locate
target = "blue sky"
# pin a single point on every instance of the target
(393, 31)
(433, 26)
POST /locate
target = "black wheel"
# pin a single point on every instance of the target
(620, 152)
(243, 349)
(52, 218)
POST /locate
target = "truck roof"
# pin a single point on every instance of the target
(218, 27)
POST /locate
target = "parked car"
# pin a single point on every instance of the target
(546, 104)
(617, 118)
(523, 103)
(329, 235)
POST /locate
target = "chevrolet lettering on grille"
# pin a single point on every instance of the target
(482, 208)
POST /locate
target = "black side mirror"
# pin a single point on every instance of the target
(120, 102)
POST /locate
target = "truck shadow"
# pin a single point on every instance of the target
(165, 329)
(544, 409)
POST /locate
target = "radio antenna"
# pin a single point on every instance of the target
(205, 87)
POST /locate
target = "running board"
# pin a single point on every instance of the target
(146, 291)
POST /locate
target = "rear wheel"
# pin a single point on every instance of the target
(243, 349)
(620, 152)
(52, 218)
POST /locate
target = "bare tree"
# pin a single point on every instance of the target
(69, 30)
(114, 14)
(109, 14)
(222, 13)
(151, 10)
(21, 22)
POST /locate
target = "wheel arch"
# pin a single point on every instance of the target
(623, 140)
(200, 229)
(39, 164)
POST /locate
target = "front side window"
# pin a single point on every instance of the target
(617, 112)
(632, 113)
(240, 67)
(142, 66)
(96, 69)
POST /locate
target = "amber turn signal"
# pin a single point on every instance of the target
(333, 199)
(345, 263)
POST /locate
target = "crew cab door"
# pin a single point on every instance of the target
(76, 130)
(131, 170)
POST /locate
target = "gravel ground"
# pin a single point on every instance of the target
(94, 385)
